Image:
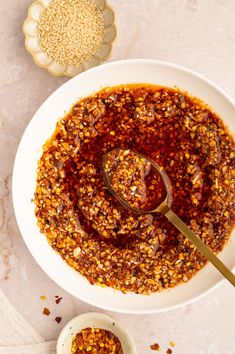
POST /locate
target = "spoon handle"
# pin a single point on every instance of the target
(183, 228)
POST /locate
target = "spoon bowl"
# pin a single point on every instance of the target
(157, 207)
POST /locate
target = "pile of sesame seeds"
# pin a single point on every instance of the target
(71, 31)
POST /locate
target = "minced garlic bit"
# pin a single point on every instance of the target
(71, 31)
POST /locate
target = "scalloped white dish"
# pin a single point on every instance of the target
(41, 128)
(42, 60)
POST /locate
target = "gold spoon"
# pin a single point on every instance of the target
(164, 207)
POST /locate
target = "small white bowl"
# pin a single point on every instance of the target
(42, 60)
(93, 320)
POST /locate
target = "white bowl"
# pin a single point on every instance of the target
(93, 320)
(40, 129)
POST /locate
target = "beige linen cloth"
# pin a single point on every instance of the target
(17, 336)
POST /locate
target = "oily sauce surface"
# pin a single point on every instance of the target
(92, 231)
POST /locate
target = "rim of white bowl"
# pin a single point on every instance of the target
(92, 302)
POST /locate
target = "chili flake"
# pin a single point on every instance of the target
(58, 319)
(58, 300)
(155, 347)
(46, 311)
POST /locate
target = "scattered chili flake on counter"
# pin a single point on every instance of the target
(172, 343)
(92, 231)
(155, 347)
(46, 311)
(96, 341)
(169, 351)
(43, 297)
(58, 319)
(58, 300)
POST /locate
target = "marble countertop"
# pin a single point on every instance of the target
(196, 33)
